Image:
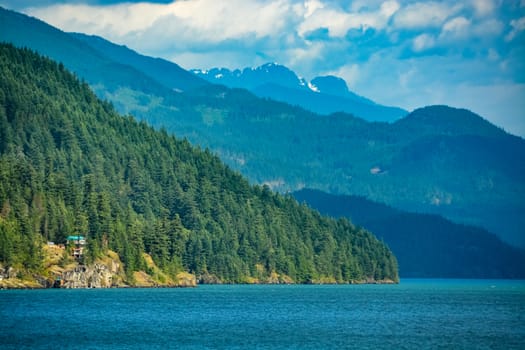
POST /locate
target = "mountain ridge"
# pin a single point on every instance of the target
(444, 120)
(278, 82)
(168, 73)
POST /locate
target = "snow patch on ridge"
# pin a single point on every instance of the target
(313, 87)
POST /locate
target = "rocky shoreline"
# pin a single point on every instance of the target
(96, 275)
(102, 276)
(60, 271)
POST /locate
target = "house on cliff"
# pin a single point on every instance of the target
(77, 244)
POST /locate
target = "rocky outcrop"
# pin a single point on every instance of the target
(104, 273)
(11, 278)
(83, 276)
(107, 271)
(7, 272)
(208, 279)
(185, 279)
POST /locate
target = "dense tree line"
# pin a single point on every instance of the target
(69, 164)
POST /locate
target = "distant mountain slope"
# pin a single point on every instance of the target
(165, 72)
(444, 120)
(427, 246)
(94, 66)
(323, 95)
(70, 165)
(438, 159)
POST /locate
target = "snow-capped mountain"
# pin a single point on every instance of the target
(251, 78)
(323, 95)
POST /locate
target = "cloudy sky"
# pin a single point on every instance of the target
(407, 53)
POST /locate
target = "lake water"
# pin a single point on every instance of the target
(416, 314)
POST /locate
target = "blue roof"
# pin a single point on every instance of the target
(75, 238)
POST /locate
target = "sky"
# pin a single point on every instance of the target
(406, 53)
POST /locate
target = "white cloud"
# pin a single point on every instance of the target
(301, 56)
(350, 73)
(311, 6)
(489, 27)
(457, 24)
(518, 25)
(424, 15)
(423, 42)
(336, 22)
(483, 8)
(389, 8)
(207, 20)
(456, 28)
(339, 22)
(116, 20)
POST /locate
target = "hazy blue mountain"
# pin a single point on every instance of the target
(165, 72)
(426, 246)
(335, 86)
(103, 73)
(323, 95)
(437, 159)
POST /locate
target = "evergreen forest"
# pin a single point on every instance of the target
(70, 165)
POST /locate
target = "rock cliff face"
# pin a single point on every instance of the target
(106, 272)
(7, 272)
(94, 276)
(11, 278)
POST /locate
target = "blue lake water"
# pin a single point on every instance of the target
(416, 314)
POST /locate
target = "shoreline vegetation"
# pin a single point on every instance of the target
(17, 284)
(62, 271)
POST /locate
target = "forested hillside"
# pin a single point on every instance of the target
(69, 164)
(426, 246)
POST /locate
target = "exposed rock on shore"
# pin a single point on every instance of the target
(95, 276)
(61, 271)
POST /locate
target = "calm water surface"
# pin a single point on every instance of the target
(416, 314)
